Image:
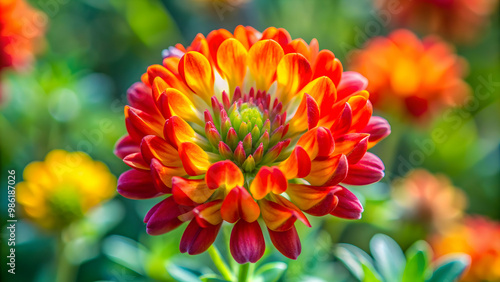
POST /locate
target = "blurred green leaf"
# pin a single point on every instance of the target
(181, 274)
(212, 277)
(125, 252)
(418, 256)
(389, 258)
(450, 268)
(270, 271)
(355, 259)
(370, 275)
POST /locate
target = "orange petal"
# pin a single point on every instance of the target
(329, 171)
(268, 179)
(263, 59)
(361, 112)
(352, 145)
(140, 124)
(159, 86)
(306, 117)
(194, 159)
(232, 60)
(281, 214)
(293, 73)
(170, 78)
(197, 72)
(208, 214)
(136, 160)
(200, 45)
(215, 39)
(180, 105)
(298, 46)
(190, 192)
(297, 165)
(162, 175)
(246, 35)
(224, 174)
(155, 147)
(327, 65)
(317, 142)
(239, 204)
(323, 91)
(308, 197)
(176, 131)
(279, 35)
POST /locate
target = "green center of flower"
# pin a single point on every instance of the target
(247, 129)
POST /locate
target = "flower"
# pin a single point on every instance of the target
(430, 200)
(460, 20)
(20, 28)
(247, 126)
(412, 76)
(61, 189)
(478, 237)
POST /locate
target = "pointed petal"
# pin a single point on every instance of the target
(279, 35)
(224, 174)
(307, 115)
(162, 175)
(126, 146)
(194, 159)
(196, 71)
(378, 128)
(327, 65)
(343, 123)
(297, 165)
(293, 73)
(318, 142)
(286, 242)
(140, 124)
(349, 206)
(323, 91)
(180, 105)
(136, 161)
(268, 179)
(315, 200)
(140, 97)
(164, 217)
(178, 131)
(353, 145)
(263, 59)
(190, 192)
(136, 184)
(368, 170)
(298, 46)
(247, 242)
(239, 204)
(361, 111)
(351, 82)
(232, 60)
(281, 214)
(155, 147)
(197, 239)
(328, 171)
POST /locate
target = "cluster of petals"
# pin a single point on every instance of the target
(458, 20)
(248, 128)
(415, 78)
(478, 237)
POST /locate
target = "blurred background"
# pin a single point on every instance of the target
(68, 89)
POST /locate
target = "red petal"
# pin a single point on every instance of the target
(208, 214)
(297, 165)
(126, 146)
(318, 142)
(140, 97)
(351, 83)
(317, 201)
(155, 147)
(247, 242)
(164, 216)
(327, 65)
(224, 174)
(378, 128)
(368, 170)
(279, 35)
(287, 242)
(162, 175)
(140, 124)
(348, 205)
(197, 239)
(136, 184)
(352, 145)
(239, 204)
(281, 214)
(328, 171)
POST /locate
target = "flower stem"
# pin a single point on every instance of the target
(65, 270)
(243, 272)
(219, 263)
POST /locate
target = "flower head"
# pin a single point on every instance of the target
(244, 126)
(430, 200)
(480, 239)
(459, 20)
(20, 28)
(63, 188)
(412, 76)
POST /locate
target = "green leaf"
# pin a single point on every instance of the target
(370, 275)
(450, 268)
(418, 256)
(270, 271)
(212, 277)
(389, 258)
(355, 260)
(125, 252)
(181, 274)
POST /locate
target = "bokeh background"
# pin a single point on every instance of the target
(71, 97)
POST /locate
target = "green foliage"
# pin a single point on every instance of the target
(390, 264)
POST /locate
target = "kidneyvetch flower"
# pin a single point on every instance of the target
(63, 188)
(419, 77)
(243, 126)
(478, 237)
